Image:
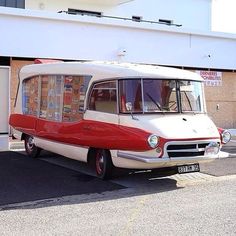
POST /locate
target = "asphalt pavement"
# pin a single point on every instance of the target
(54, 195)
(25, 179)
(230, 147)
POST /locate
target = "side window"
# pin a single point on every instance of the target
(51, 97)
(73, 98)
(104, 97)
(30, 97)
(130, 92)
(62, 97)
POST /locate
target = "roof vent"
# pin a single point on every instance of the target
(45, 61)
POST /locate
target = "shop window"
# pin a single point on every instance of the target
(30, 96)
(104, 97)
(13, 3)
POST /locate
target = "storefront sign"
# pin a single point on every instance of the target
(211, 78)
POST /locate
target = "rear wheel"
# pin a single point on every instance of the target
(103, 163)
(31, 149)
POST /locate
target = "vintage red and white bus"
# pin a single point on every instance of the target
(116, 115)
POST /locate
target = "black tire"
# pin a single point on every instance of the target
(103, 164)
(31, 149)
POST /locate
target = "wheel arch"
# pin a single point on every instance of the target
(23, 135)
(100, 159)
(92, 152)
(91, 155)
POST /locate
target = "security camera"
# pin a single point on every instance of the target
(121, 52)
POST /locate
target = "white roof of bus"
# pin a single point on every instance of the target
(107, 70)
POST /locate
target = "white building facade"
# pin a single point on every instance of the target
(174, 33)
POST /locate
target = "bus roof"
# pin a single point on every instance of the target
(107, 70)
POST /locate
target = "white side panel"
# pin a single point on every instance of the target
(71, 151)
(101, 117)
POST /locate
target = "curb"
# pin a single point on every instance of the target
(231, 155)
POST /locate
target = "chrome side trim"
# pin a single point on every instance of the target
(140, 158)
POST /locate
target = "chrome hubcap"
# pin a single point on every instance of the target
(30, 143)
(99, 162)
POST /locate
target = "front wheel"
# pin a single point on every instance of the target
(103, 163)
(31, 149)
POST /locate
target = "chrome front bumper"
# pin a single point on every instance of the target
(174, 153)
(146, 159)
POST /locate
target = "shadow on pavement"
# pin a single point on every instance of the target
(23, 179)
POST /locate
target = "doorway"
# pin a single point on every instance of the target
(4, 99)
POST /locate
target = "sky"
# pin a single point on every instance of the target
(224, 16)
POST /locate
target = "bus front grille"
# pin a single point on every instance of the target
(186, 150)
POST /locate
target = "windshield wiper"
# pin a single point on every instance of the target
(156, 103)
(190, 105)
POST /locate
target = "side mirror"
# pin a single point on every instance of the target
(129, 106)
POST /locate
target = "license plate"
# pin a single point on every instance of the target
(188, 168)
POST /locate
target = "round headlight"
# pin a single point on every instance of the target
(226, 136)
(153, 140)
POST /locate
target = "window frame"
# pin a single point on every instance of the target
(91, 91)
(180, 98)
(142, 96)
(39, 95)
(177, 94)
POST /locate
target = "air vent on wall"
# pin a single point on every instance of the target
(83, 12)
(136, 18)
(165, 21)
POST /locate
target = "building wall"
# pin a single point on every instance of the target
(183, 12)
(15, 68)
(55, 5)
(225, 96)
(52, 35)
(223, 16)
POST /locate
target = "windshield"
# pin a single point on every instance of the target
(160, 95)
